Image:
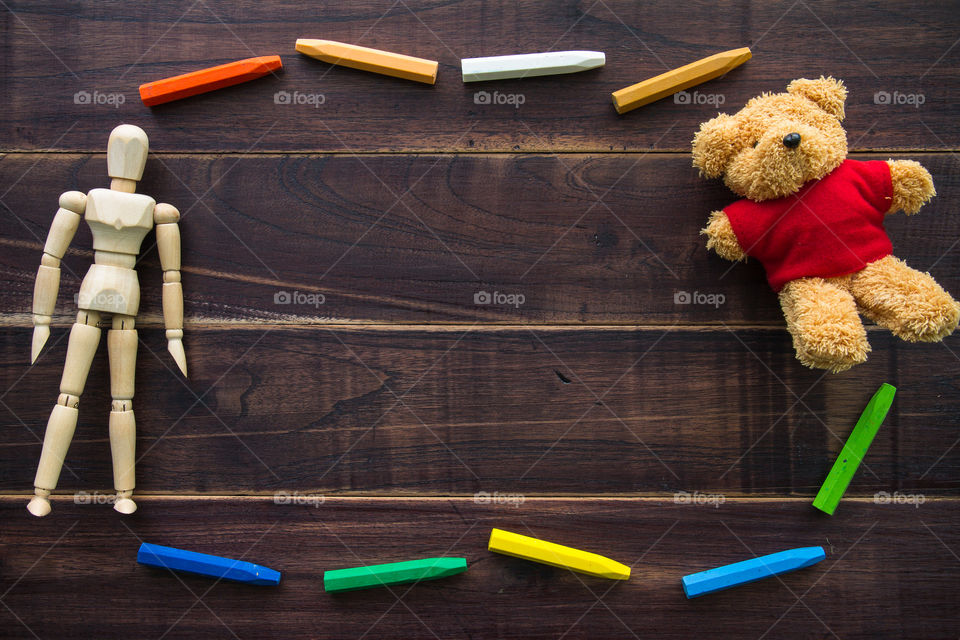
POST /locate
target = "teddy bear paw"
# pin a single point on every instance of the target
(834, 358)
(912, 186)
(929, 320)
(834, 347)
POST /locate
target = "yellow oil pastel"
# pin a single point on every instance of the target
(373, 60)
(668, 83)
(556, 555)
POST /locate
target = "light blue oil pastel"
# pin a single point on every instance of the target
(732, 575)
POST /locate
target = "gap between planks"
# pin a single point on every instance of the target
(23, 321)
(447, 152)
(411, 498)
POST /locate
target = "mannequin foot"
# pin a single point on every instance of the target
(39, 505)
(124, 504)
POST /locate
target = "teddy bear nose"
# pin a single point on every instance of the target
(791, 140)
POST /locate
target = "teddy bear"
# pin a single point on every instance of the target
(814, 219)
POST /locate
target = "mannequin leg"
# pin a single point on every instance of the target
(84, 338)
(122, 346)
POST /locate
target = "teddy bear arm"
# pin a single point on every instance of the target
(912, 186)
(721, 238)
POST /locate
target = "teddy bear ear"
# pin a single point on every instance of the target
(827, 93)
(715, 144)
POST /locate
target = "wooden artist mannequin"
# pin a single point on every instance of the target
(119, 220)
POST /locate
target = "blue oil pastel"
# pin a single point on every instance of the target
(156, 555)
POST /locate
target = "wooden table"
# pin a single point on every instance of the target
(383, 414)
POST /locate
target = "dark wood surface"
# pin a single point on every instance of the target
(877, 580)
(598, 413)
(464, 409)
(113, 47)
(513, 224)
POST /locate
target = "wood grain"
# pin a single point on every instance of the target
(890, 570)
(400, 419)
(52, 51)
(409, 410)
(527, 225)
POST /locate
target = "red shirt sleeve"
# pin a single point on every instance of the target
(875, 184)
(747, 221)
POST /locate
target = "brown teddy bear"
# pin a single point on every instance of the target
(814, 219)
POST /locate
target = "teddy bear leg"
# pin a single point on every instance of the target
(907, 302)
(823, 320)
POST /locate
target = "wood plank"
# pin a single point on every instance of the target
(890, 571)
(457, 410)
(523, 225)
(51, 51)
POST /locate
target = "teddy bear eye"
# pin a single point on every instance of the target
(755, 143)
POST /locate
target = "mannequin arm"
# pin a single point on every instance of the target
(47, 285)
(168, 245)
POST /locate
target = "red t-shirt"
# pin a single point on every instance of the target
(830, 227)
